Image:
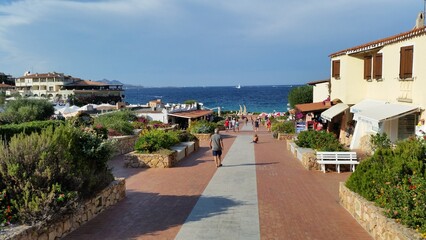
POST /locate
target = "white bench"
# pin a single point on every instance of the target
(337, 158)
(180, 150)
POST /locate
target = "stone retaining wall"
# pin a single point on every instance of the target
(371, 218)
(124, 144)
(306, 155)
(285, 136)
(203, 136)
(115, 192)
(143, 160)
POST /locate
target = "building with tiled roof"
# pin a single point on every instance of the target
(60, 88)
(384, 81)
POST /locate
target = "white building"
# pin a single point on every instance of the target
(60, 87)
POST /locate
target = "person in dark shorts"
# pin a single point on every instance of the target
(216, 145)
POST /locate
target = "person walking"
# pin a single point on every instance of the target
(268, 125)
(256, 125)
(216, 145)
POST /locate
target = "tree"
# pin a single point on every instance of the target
(302, 94)
(26, 110)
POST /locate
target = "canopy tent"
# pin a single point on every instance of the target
(334, 111)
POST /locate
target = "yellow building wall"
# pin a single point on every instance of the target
(321, 92)
(352, 87)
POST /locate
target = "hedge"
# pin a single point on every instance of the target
(9, 130)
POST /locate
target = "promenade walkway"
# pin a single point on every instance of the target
(261, 192)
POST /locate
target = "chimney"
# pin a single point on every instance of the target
(420, 22)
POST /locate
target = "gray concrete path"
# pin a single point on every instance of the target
(233, 188)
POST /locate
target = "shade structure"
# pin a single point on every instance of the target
(334, 111)
(366, 104)
(385, 112)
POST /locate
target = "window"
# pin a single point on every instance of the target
(367, 67)
(406, 126)
(406, 62)
(336, 69)
(377, 66)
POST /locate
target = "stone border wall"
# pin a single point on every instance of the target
(285, 136)
(124, 144)
(371, 218)
(142, 160)
(306, 155)
(112, 194)
(203, 136)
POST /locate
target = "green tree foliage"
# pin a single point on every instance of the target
(190, 101)
(299, 95)
(26, 110)
(44, 174)
(396, 180)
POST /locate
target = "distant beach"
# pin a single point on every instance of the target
(229, 98)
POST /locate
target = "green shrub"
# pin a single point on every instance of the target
(283, 127)
(185, 136)
(44, 174)
(319, 140)
(380, 141)
(155, 140)
(395, 179)
(26, 110)
(8, 213)
(9, 130)
(202, 127)
(119, 121)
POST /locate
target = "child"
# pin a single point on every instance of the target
(255, 138)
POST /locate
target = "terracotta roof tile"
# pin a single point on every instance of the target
(87, 83)
(5, 85)
(317, 82)
(381, 42)
(192, 114)
(311, 107)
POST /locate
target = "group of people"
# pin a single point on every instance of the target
(232, 124)
(216, 140)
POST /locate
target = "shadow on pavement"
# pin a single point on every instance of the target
(146, 214)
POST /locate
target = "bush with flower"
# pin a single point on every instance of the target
(395, 179)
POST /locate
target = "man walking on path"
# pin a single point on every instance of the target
(216, 145)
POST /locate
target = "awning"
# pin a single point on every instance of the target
(385, 112)
(366, 104)
(334, 111)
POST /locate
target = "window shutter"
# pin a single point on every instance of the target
(367, 67)
(336, 69)
(406, 62)
(377, 66)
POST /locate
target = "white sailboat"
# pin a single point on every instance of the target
(238, 86)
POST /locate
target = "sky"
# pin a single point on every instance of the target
(192, 42)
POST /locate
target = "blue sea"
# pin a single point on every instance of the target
(255, 98)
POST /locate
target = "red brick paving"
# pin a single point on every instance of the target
(295, 203)
(158, 201)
